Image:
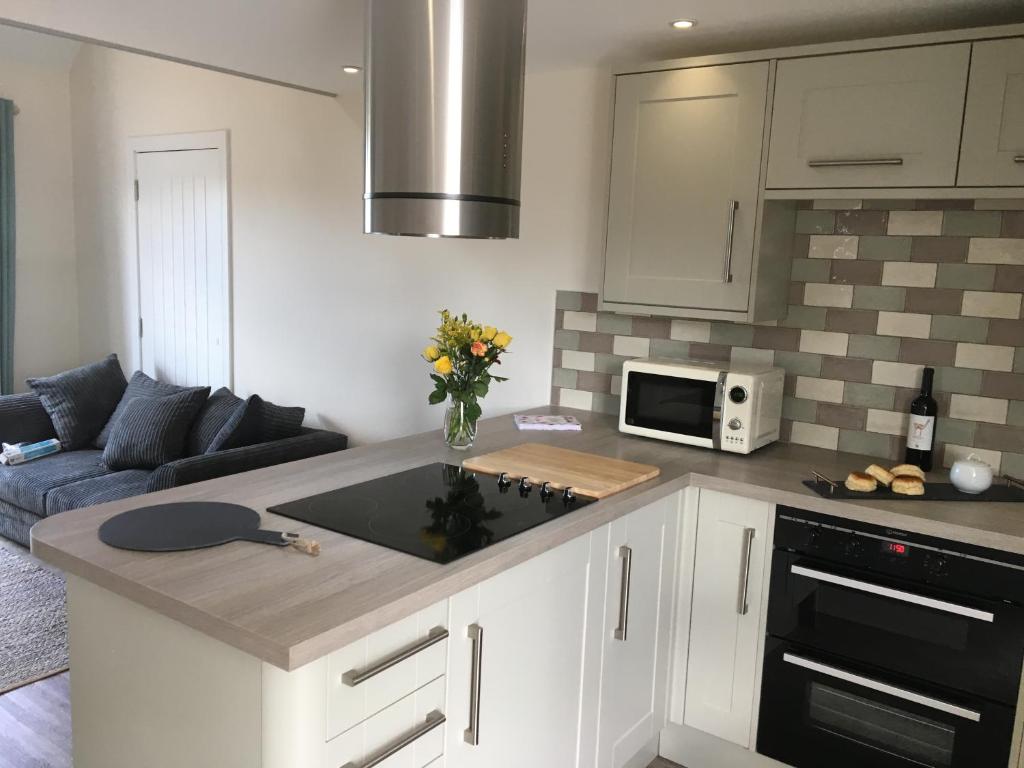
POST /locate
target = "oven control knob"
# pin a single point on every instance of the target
(936, 564)
(738, 395)
(735, 424)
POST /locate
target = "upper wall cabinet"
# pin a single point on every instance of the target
(887, 118)
(686, 161)
(993, 145)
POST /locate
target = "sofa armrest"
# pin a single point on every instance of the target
(207, 466)
(24, 420)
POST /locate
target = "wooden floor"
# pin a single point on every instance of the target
(35, 725)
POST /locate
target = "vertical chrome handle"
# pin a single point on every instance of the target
(472, 734)
(741, 598)
(622, 630)
(730, 228)
(1019, 159)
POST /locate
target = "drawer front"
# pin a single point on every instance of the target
(350, 701)
(874, 119)
(415, 721)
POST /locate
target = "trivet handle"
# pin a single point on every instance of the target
(282, 539)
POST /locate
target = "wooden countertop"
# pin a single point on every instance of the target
(289, 609)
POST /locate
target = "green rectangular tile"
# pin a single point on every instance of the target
(1015, 416)
(606, 363)
(884, 248)
(1018, 363)
(569, 300)
(606, 403)
(811, 270)
(955, 328)
(670, 348)
(809, 318)
(1013, 465)
(869, 395)
(798, 409)
(815, 222)
(799, 363)
(567, 340)
(970, 277)
(972, 223)
(867, 443)
(564, 377)
(609, 322)
(733, 334)
(885, 297)
(955, 431)
(874, 347)
(963, 381)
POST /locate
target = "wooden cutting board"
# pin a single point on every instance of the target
(586, 473)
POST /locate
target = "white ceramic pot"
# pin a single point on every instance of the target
(971, 475)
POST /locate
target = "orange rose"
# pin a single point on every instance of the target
(478, 348)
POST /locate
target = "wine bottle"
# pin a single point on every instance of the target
(921, 432)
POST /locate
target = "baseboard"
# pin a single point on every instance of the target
(696, 749)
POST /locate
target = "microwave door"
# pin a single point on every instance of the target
(678, 408)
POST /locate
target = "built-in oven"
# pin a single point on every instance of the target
(888, 649)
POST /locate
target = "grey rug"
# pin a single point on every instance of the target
(33, 623)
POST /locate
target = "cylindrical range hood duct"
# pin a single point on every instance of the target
(444, 117)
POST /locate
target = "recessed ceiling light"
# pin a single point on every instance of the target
(683, 24)
(351, 69)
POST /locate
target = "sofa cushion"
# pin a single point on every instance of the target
(24, 420)
(242, 427)
(27, 485)
(140, 385)
(278, 422)
(216, 412)
(81, 400)
(152, 430)
(97, 490)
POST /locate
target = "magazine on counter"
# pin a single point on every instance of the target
(548, 423)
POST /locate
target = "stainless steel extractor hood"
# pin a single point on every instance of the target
(444, 117)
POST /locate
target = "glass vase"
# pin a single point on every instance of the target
(459, 429)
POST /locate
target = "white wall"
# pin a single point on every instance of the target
(34, 73)
(325, 316)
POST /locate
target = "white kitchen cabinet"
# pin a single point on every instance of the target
(729, 573)
(886, 118)
(515, 669)
(636, 632)
(992, 151)
(686, 161)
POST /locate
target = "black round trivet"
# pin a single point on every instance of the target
(185, 525)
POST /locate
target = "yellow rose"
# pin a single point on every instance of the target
(430, 354)
(489, 333)
(502, 340)
(443, 365)
(474, 334)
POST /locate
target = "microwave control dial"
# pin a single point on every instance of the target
(735, 424)
(738, 395)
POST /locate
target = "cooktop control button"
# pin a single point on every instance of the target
(738, 395)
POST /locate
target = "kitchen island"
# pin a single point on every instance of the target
(221, 654)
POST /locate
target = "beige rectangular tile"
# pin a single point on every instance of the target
(690, 330)
(575, 398)
(824, 342)
(909, 274)
(887, 422)
(996, 250)
(815, 435)
(579, 361)
(824, 390)
(580, 321)
(631, 346)
(971, 408)
(837, 205)
(896, 374)
(824, 295)
(904, 324)
(833, 247)
(915, 223)
(991, 304)
(956, 452)
(987, 357)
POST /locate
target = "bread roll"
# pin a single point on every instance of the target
(908, 469)
(908, 485)
(881, 474)
(858, 481)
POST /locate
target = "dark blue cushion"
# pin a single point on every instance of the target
(278, 422)
(80, 401)
(27, 485)
(97, 490)
(217, 411)
(24, 420)
(141, 385)
(241, 428)
(153, 430)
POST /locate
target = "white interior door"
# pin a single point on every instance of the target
(184, 261)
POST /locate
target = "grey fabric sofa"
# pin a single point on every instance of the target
(64, 481)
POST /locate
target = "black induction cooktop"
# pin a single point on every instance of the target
(439, 512)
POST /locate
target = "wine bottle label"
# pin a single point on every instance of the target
(921, 432)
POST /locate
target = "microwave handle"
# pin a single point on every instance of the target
(876, 685)
(895, 594)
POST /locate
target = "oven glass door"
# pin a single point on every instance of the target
(819, 711)
(965, 643)
(671, 404)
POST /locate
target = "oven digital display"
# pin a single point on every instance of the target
(895, 548)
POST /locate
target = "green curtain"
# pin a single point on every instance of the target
(6, 246)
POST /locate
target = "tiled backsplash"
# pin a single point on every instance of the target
(879, 290)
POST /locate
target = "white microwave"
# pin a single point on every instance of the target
(729, 408)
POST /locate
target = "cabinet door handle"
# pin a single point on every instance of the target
(741, 598)
(622, 630)
(855, 162)
(730, 228)
(1019, 159)
(472, 734)
(433, 720)
(354, 677)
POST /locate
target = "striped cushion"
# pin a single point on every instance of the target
(217, 411)
(278, 422)
(80, 401)
(24, 420)
(153, 430)
(241, 428)
(140, 385)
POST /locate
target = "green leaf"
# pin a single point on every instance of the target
(473, 411)
(438, 379)
(437, 396)
(480, 389)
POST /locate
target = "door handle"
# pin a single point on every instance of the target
(895, 594)
(472, 734)
(876, 685)
(855, 162)
(621, 631)
(1019, 159)
(730, 229)
(433, 720)
(354, 677)
(741, 598)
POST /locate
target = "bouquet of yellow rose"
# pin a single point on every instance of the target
(462, 354)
